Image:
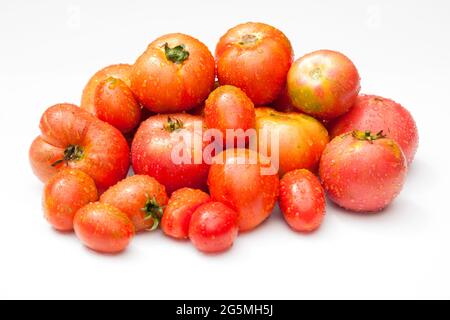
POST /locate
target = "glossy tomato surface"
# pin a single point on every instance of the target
(228, 107)
(298, 139)
(141, 197)
(302, 200)
(104, 228)
(363, 171)
(213, 227)
(116, 71)
(241, 179)
(256, 58)
(323, 84)
(65, 193)
(116, 105)
(73, 138)
(175, 73)
(157, 150)
(178, 212)
(376, 113)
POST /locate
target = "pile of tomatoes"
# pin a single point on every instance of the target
(132, 115)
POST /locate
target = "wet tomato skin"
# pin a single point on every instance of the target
(256, 58)
(64, 193)
(103, 228)
(116, 105)
(237, 181)
(323, 84)
(117, 71)
(178, 212)
(152, 147)
(301, 142)
(81, 141)
(376, 113)
(302, 200)
(175, 73)
(213, 227)
(141, 197)
(228, 107)
(362, 175)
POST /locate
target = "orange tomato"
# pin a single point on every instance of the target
(175, 73)
(256, 58)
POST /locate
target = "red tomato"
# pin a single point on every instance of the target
(376, 113)
(228, 107)
(117, 71)
(213, 227)
(302, 200)
(71, 137)
(256, 58)
(238, 181)
(175, 73)
(141, 198)
(323, 83)
(115, 104)
(65, 193)
(152, 148)
(301, 142)
(283, 102)
(178, 212)
(361, 171)
(102, 227)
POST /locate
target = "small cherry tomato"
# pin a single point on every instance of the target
(141, 198)
(65, 193)
(213, 227)
(302, 200)
(178, 212)
(103, 228)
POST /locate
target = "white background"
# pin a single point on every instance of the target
(49, 49)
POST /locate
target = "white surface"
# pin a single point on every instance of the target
(48, 51)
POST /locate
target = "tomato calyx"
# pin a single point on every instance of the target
(173, 124)
(153, 210)
(247, 39)
(71, 153)
(367, 135)
(176, 54)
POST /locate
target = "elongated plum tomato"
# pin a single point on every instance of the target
(299, 139)
(175, 73)
(246, 182)
(213, 227)
(116, 71)
(323, 84)
(179, 210)
(71, 137)
(256, 58)
(376, 113)
(170, 149)
(228, 107)
(363, 171)
(65, 193)
(116, 105)
(302, 200)
(141, 198)
(103, 228)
